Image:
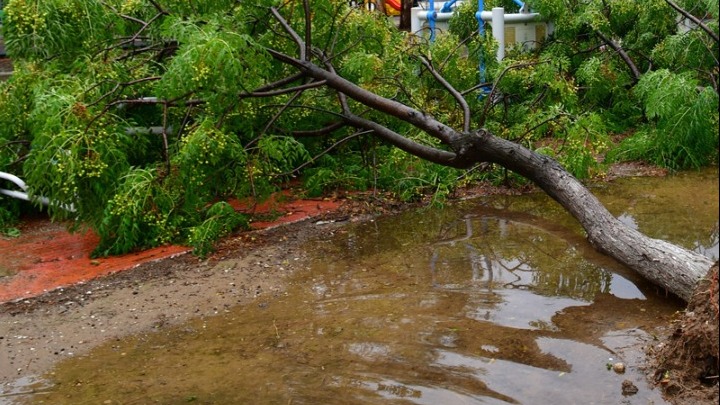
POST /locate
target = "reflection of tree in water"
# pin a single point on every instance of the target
(485, 269)
(503, 253)
(708, 245)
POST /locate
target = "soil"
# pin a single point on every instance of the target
(250, 268)
(685, 364)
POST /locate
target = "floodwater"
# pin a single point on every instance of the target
(493, 301)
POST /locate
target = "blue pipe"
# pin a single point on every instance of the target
(519, 4)
(481, 24)
(481, 32)
(447, 7)
(431, 16)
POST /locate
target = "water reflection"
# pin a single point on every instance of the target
(499, 301)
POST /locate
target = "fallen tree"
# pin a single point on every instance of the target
(676, 269)
(233, 90)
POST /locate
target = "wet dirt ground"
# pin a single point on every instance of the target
(248, 269)
(70, 321)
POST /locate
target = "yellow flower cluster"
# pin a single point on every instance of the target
(201, 73)
(26, 18)
(130, 6)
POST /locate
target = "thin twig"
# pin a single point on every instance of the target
(166, 152)
(623, 55)
(458, 97)
(489, 99)
(316, 157)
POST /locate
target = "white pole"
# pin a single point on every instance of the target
(498, 30)
(415, 23)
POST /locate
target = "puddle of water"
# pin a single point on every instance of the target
(491, 302)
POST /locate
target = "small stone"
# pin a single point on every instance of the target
(618, 368)
(628, 388)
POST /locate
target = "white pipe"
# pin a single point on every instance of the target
(498, 30)
(418, 15)
(15, 179)
(512, 18)
(422, 15)
(23, 195)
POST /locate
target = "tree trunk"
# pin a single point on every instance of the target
(405, 15)
(676, 269)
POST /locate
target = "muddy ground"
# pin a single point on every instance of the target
(685, 364)
(247, 269)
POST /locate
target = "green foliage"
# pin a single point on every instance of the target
(220, 219)
(137, 215)
(683, 131)
(213, 62)
(210, 163)
(52, 28)
(345, 171)
(281, 154)
(8, 217)
(412, 178)
(585, 139)
(677, 98)
(464, 24)
(91, 79)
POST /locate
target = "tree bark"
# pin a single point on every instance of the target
(405, 15)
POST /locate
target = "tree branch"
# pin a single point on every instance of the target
(325, 152)
(623, 55)
(271, 93)
(458, 97)
(326, 130)
(422, 151)
(308, 28)
(390, 107)
(291, 32)
(694, 19)
(280, 111)
(123, 85)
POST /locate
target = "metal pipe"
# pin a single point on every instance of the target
(512, 18)
(447, 7)
(23, 195)
(154, 130)
(15, 179)
(431, 16)
(434, 12)
(425, 15)
(498, 30)
(481, 34)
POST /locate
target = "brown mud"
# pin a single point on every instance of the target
(685, 364)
